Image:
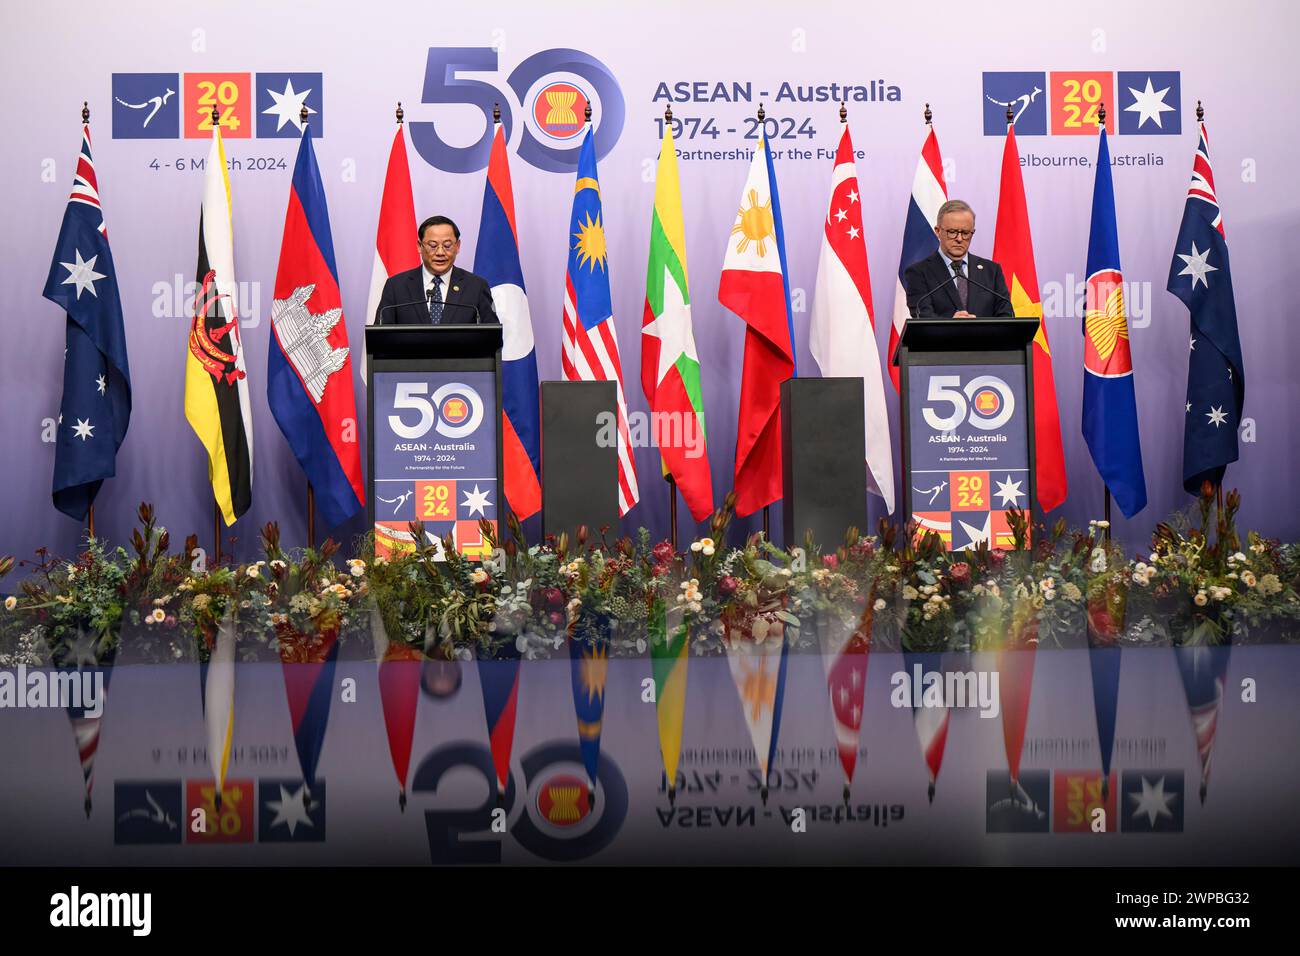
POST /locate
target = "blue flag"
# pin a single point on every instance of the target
(96, 404)
(1110, 424)
(1216, 378)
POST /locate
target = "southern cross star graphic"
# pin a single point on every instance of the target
(1009, 491)
(1217, 416)
(82, 274)
(101, 383)
(83, 429)
(1198, 267)
(476, 501)
(289, 809)
(1153, 801)
(287, 106)
(1149, 104)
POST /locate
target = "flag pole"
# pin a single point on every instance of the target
(216, 531)
(90, 512)
(311, 492)
(1101, 126)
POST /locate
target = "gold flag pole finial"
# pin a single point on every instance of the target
(668, 113)
(586, 113)
(496, 112)
(216, 116)
(927, 114)
(844, 112)
(1011, 117)
(1101, 115)
(1200, 112)
(85, 112)
(401, 113)
(302, 115)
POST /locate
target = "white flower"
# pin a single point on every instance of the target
(279, 565)
(1047, 584)
(11, 602)
(909, 593)
(1200, 599)
(1049, 594)
(1248, 578)
(1259, 548)
(696, 546)
(1154, 558)
(879, 605)
(253, 571)
(928, 615)
(358, 570)
(478, 575)
(1103, 524)
(786, 572)
(708, 550)
(1098, 565)
(1231, 575)
(1237, 557)
(157, 616)
(380, 560)
(935, 599)
(891, 568)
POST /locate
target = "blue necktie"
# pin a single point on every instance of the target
(435, 301)
(959, 279)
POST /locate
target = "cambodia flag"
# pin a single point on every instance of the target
(497, 261)
(309, 369)
(1110, 423)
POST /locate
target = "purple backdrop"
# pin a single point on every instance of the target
(1236, 59)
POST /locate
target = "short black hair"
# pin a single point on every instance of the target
(436, 221)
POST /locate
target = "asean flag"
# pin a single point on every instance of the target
(309, 366)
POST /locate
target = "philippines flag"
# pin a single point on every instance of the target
(395, 250)
(307, 666)
(1110, 423)
(309, 371)
(929, 192)
(590, 344)
(1216, 376)
(497, 261)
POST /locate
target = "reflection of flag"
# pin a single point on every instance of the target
(929, 192)
(499, 681)
(755, 285)
(218, 682)
(84, 660)
(1016, 667)
(589, 666)
(309, 364)
(1216, 376)
(670, 367)
(1204, 670)
(216, 383)
(399, 695)
(1013, 249)
(395, 242)
(497, 261)
(843, 331)
(1105, 664)
(590, 344)
(759, 673)
(308, 688)
(668, 659)
(96, 404)
(1110, 424)
(931, 722)
(844, 653)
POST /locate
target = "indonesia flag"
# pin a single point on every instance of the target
(309, 368)
(590, 344)
(497, 261)
(843, 329)
(755, 285)
(394, 249)
(929, 192)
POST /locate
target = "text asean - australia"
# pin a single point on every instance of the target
(62, 689)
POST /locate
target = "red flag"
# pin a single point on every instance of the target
(395, 243)
(1013, 249)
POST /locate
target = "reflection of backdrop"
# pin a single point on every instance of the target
(152, 206)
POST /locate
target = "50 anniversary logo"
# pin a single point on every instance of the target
(551, 89)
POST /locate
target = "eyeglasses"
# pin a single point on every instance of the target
(959, 233)
(446, 246)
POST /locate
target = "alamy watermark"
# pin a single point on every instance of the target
(62, 689)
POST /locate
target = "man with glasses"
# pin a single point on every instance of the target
(436, 292)
(952, 283)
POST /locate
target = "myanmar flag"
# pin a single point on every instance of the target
(1013, 249)
(216, 384)
(670, 367)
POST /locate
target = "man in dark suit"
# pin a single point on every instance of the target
(436, 292)
(952, 283)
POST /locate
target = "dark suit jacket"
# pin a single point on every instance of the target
(932, 272)
(468, 293)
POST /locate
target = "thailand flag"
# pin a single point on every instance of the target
(929, 192)
(497, 261)
(309, 369)
(1110, 424)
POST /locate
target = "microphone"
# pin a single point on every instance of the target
(994, 291)
(460, 305)
(968, 278)
(379, 316)
(927, 295)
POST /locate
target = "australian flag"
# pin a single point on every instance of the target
(96, 404)
(1110, 423)
(1216, 379)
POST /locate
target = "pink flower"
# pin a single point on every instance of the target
(663, 552)
(960, 574)
(554, 598)
(831, 561)
(557, 618)
(727, 585)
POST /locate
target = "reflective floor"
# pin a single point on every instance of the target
(124, 789)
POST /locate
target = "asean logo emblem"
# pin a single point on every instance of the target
(558, 110)
(987, 402)
(1106, 349)
(564, 800)
(460, 410)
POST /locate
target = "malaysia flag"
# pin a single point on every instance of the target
(497, 261)
(929, 192)
(309, 369)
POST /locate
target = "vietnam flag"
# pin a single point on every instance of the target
(755, 285)
(1013, 249)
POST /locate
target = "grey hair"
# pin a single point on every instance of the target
(953, 205)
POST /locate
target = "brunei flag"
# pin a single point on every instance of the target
(669, 645)
(670, 366)
(1013, 249)
(216, 383)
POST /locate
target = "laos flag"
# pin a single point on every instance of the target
(497, 261)
(1110, 424)
(309, 365)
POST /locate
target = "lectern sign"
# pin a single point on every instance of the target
(435, 456)
(968, 454)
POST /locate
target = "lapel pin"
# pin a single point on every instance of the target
(979, 265)
(455, 288)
